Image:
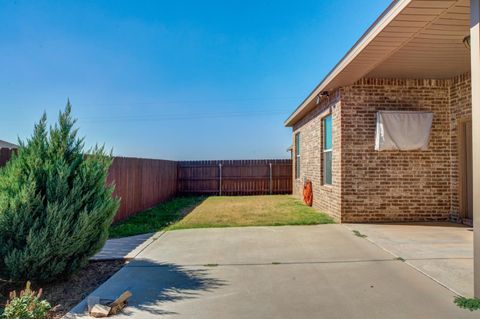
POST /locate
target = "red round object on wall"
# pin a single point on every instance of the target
(308, 193)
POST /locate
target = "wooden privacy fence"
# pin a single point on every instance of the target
(235, 177)
(144, 183)
(5, 154)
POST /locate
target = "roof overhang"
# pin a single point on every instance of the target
(5, 144)
(411, 39)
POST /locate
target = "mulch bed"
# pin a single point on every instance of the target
(68, 293)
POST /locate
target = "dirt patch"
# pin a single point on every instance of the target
(68, 293)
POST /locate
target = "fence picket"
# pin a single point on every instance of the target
(239, 177)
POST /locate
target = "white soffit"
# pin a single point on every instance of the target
(437, 50)
(412, 39)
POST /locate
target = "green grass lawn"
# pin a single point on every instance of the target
(155, 219)
(239, 211)
(220, 211)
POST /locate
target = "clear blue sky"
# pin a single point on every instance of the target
(172, 79)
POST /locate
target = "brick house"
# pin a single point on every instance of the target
(415, 57)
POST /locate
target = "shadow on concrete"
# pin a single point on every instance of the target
(153, 285)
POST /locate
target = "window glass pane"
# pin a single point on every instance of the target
(327, 133)
(297, 155)
(297, 168)
(297, 143)
(327, 168)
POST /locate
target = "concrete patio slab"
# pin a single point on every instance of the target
(256, 245)
(338, 290)
(443, 251)
(274, 272)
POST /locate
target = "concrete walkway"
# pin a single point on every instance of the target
(443, 251)
(125, 248)
(320, 271)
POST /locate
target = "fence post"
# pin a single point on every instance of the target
(220, 179)
(271, 182)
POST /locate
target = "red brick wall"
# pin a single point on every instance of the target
(460, 109)
(387, 186)
(327, 198)
(394, 185)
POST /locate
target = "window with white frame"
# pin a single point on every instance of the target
(327, 150)
(297, 155)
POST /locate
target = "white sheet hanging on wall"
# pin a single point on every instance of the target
(403, 130)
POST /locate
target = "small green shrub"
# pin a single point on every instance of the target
(471, 304)
(55, 207)
(27, 305)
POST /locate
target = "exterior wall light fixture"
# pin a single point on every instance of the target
(466, 42)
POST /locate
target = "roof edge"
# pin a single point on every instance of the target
(395, 7)
(8, 145)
